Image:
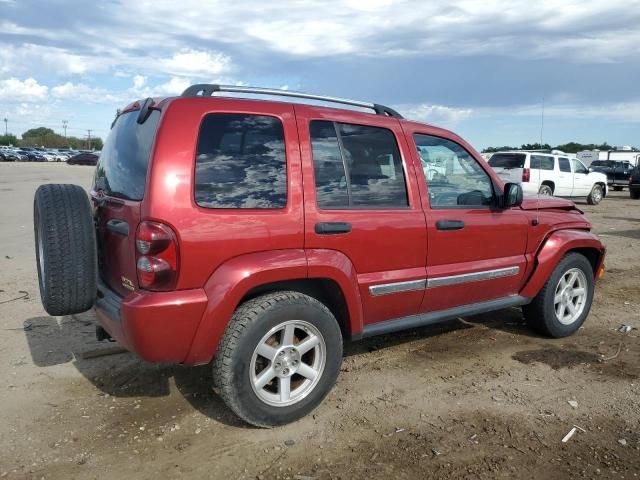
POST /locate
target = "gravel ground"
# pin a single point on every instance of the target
(479, 397)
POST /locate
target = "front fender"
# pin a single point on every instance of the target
(556, 246)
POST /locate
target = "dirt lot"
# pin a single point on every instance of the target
(478, 397)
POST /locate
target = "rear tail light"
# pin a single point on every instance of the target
(526, 174)
(157, 263)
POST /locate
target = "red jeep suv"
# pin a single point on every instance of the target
(257, 235)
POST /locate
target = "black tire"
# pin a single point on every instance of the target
(617, 188)
(66, 253)
(596, 195)
(545, 190)
(251, 322)
(540, 314)
(634, 193)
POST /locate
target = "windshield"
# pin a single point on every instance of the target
(122, 167)
(507, 160)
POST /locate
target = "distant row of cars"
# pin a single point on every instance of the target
(40, 154)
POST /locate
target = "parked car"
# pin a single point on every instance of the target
(617, 172)
(260, 234)
(34, 155)
(15, 155)
(634, 183)
(547, 174)
(83, 159)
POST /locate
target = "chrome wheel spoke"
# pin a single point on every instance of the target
(572, 279)
(571, 307)
(267, 351)
(557, 299)
(578, 292)
(307, 371)
(284, 388)
(287, 335)
(307, 344)
(265, 377)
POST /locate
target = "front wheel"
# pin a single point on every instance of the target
(279, 357)
(564, 302)
(545, 190)
(596, 195)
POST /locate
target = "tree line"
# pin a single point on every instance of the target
(46, 137)
(571, 147)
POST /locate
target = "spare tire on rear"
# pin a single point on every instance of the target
(66, 251)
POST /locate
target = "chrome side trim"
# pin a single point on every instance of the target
(397, 287)
(472, 277)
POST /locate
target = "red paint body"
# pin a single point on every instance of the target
(225, 254)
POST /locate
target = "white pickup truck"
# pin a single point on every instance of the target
(547, 174)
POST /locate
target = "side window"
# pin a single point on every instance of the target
(454, 177)
(356, 166)
(565, 166)
(579, 167)
(240, 162)
(542, 162)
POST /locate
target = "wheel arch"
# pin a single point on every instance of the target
(549, 183)
(325, 275)
(556, 246)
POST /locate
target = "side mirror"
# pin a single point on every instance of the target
(512, 196)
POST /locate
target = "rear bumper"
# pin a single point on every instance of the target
(157, 326)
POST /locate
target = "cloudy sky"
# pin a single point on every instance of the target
(480, 68)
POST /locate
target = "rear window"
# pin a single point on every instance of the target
(507, 160)
(122, 167)
(602, 163)
(240, 162)
(542, 162)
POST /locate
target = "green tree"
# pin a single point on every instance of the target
(9, 139)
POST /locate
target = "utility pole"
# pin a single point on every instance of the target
(89, 137)
(542, 123)
(6, 131)
(64, 126)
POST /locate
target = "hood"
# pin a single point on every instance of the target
(544, 202)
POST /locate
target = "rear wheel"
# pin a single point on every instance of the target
(563, 304)
(545, 190)
(279, 357)
(596, 195)
(65, 249)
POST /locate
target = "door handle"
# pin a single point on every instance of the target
(449, 224)
(118, 226)
(332, 228)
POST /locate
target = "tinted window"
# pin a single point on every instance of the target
(542, 162)
(331, 180)
(578, 167)
(507, 160)
(240, 162)
(454, 177)
(122, 168)
(371, 174)
(564, 164)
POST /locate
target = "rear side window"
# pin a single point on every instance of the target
(565, 166)
(507, 160)
(122, 167)
(357, 166)
(240, 162)
(542, 162)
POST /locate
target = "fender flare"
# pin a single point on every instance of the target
(232, 280)
(556, 246)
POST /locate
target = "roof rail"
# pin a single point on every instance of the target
(206, 90)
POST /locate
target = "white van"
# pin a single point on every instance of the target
(547, 174)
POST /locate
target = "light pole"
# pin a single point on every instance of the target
(6, 131)
(64, 125)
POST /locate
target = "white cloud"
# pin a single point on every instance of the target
(436, 114)
(139, 81)
(13, 90)
(189, 62)
(79, 92)
(25, 58)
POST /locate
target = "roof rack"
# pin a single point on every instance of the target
(206, 90)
